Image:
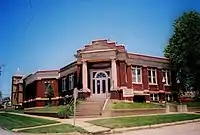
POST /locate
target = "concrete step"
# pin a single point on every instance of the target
(89, 108)
(91, 103)
(86, 116)
(86, 108)
(94, 104)
(87, 113)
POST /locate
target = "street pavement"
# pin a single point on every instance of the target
(185, 129)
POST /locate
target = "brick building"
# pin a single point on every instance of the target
(104, 69)
(17, 90)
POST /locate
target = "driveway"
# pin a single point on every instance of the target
(185, 129)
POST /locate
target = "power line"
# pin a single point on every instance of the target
(30, 4)
(1, 69)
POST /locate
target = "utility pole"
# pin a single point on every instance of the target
(1, 94)
(1, 69)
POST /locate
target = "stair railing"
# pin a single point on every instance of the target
(70, 105)
(105, 102)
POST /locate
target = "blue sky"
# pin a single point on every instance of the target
(45, 34)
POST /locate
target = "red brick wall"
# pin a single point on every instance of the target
(41, 87)
(122, 66)
(39, 103)
(118, 74)
(153, 88)
(129, 77)
(145, 78)
(167, 88)
(137, 87)
(160, 77)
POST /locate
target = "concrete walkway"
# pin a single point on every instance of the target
(82, 122)
(20, 129)
(79, 123)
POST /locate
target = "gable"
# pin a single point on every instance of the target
(98, 46)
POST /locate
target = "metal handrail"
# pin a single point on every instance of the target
(71, 104)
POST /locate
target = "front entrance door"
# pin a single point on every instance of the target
(100, 83)
(101, 87)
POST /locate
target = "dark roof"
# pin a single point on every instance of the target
(68, 66)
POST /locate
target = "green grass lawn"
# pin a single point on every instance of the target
(13, 110)
(11, 121)
(143, 120)
(63, 128)
(127, 105)
(192, 104)
(189, 104)
(52, 109)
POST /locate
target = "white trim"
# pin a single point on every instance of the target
(167, 80)
(102, 50)
(136, 74)
(167, 97)
(64, 84)
(71, 81)
(155, 97)
(42, 99)
(151, 75)
(100, 79)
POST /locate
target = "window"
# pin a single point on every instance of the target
(63, 84)
(47, 85)
(167, 77)
(136, 74)
(154, 97)
(71, 81)
(152, 76)
(168, 97)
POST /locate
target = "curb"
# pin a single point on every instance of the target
(71, 133)
(100, 132)
(121, 130)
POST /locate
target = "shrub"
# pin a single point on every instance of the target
(66, 111)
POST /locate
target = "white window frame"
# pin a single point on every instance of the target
(136, 74)
(64, 84)
(167, 80)
(152, 77)
(71, 81)
(154, 97)
(167, 97)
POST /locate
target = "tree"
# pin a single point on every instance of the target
(0, 98)
(183, 50)
(49, 93)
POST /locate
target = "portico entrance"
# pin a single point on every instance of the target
(100, 82)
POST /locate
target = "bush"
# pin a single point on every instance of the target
(66, 111)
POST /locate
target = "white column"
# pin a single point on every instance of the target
(84, 76)
(114, 74)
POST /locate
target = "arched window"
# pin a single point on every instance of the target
(101, 75)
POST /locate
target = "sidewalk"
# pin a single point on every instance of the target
(19, 129)
(79, 123)
(82, 122)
